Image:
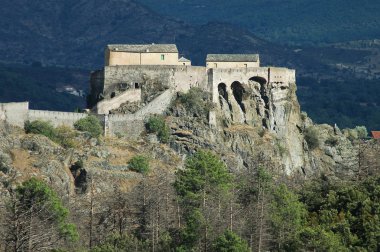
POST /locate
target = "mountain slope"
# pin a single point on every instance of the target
(74, 33)
(289, 21)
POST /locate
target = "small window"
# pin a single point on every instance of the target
(245, 65)
(184, 64)
(215, 65)
(137, 85)
(162, 57)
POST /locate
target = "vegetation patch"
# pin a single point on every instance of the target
(89, 124)
(139, 164)
(196, 102)
(157, 124)
(61, 135)
(359, 132)
(311, 137)
(43, 216)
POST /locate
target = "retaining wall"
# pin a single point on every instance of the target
(129, 126)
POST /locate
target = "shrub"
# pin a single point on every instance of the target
(359, 132)
(61, 135)
(157, 124)
(362, 132)
(89, 124)
(65, 137)
(40, 127)
(196, 102)
(311, 137)
(139, 164)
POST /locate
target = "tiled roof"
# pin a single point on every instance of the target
(232, 57)
(376, 134)
(155, 48)
(183, 59)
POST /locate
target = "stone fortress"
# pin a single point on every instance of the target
(140, 80)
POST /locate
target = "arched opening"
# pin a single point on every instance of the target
(222, 90)
(137, 85)
(259, 79)
(238, 92)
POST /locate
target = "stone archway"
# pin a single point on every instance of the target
(238, 92)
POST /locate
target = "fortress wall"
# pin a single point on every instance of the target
(187, 77)
(55, 117)
(127, 125)
(284, 75)
(181, 78)
(14, 113)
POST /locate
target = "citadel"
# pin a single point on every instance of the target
(140, 80)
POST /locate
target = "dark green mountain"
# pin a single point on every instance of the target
(283, 21)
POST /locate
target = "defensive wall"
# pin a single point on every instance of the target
(17, 113)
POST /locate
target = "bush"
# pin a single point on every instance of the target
(311, 137)
(359, 132)
(61, 135)
(139, 164)
(89, 124)
(65, 137)
(40, 127)
(362, 132)
(196, 102)
(157, 124)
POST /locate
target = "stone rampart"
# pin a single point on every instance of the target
(55, 117)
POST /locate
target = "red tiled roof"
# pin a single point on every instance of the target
(376, 134)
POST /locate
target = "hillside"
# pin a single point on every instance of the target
(74, 33)
(285, 22)
(43, 87)
(119, 193)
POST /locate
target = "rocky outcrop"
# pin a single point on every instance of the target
(264, 120)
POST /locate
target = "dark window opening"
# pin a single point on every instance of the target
(238, 92)
(137, 85)
(222, 90)
(113, 94)
(259, 79)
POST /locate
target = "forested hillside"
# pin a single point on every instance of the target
(290, 21)
(43, 87)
